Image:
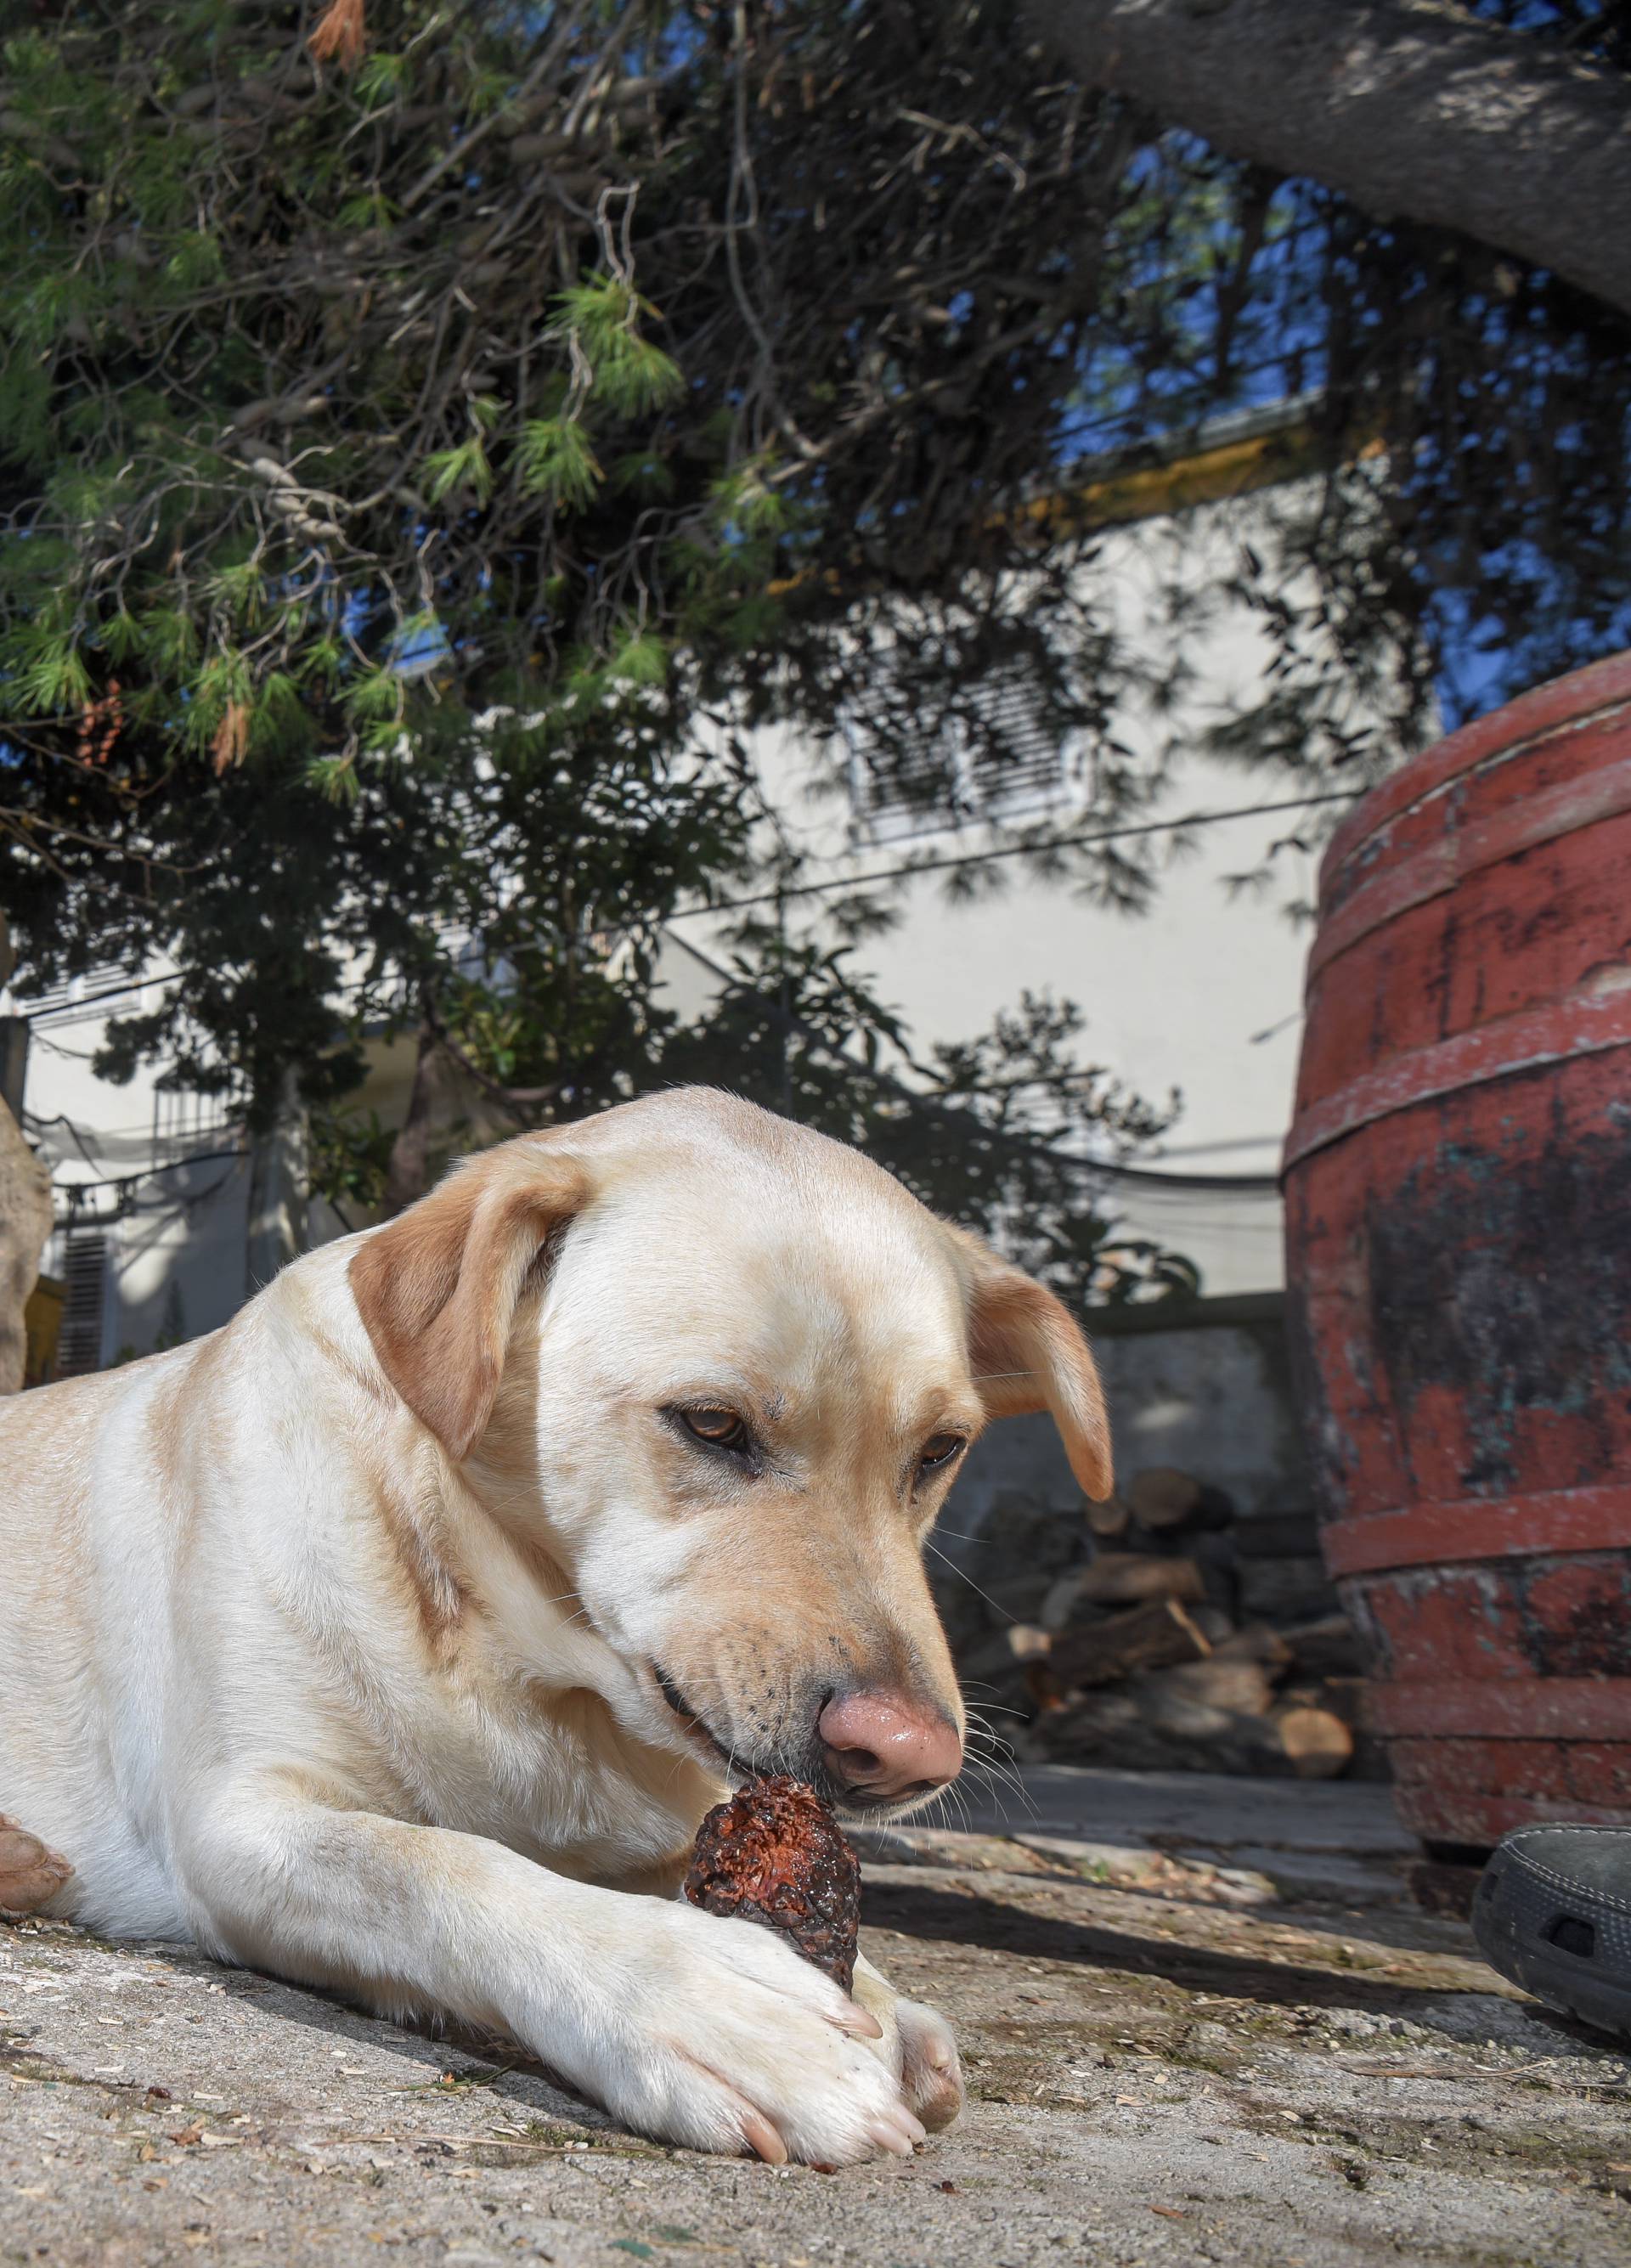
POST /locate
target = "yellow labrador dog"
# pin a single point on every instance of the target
(396, 1636)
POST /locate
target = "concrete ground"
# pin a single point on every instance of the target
(1202, 2021)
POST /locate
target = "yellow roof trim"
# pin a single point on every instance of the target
(1229, 468)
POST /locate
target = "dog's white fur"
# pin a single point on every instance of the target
(328, 1641)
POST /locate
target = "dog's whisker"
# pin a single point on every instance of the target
(994, 1745)
(930, 1545)
(991, 1758)
(1016, 1787)
(1000, 1775)
(993, 1751)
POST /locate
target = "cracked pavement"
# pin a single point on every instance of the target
(1201, 2020)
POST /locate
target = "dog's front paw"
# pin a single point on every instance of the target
(714, 2033)
(931, 2076)
(918, 2046)
(31, 1874)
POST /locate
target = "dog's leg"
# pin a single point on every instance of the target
(693, 2029)
(30, 1875)
(918, 2046)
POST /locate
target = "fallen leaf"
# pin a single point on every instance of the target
(1168, 2212)
(1128, 2098)
(187, 2135)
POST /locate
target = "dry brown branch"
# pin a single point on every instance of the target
(340, 34)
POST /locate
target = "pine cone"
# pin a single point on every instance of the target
(775, 1854)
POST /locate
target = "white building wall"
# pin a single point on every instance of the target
(162, 1180)
(1202, 994)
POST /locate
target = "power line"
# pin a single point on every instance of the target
(1224, 1184)
(904, 872)
(119, 991)
(1014, 1141)
(72, 1190)
(1009, 850)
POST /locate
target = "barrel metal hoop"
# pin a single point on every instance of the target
(1441, 866)
(1543, 713)
(1481, 1528)
(1494, 1051)
(1502, 1708)
(1445, 1811)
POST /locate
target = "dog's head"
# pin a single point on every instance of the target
(725, 1369)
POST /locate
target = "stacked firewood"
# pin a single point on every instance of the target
(1147, 1654)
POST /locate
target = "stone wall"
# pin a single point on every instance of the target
(1207, 1390)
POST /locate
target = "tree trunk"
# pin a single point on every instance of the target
(1412, 110)
(407, 1170)
(24, 1223)
(279, 1190)
(13, 1062)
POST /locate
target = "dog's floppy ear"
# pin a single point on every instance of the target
(436, 1288)
(1026, 1353)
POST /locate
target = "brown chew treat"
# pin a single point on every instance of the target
(775, 1854)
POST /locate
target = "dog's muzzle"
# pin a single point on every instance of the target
(693, 1720)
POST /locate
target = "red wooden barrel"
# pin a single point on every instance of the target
(1458, 1257)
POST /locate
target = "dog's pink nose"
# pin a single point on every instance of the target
(883, 1745)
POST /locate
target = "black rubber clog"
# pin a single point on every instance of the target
(1553, 1912)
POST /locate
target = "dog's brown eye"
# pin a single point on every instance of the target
(940, 1451)
(721, 1429)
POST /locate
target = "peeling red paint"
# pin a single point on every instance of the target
(1475, 1527)
(1458, 1245)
